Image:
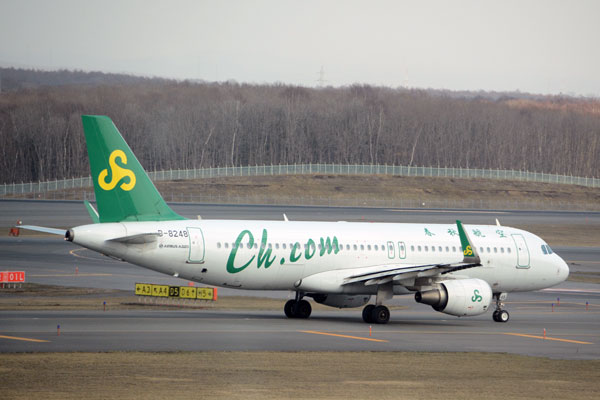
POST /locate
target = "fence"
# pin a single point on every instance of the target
(295, 169)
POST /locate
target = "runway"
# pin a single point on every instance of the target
(571, 331)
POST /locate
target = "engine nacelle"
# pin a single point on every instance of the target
(460, 297)
(342, 300)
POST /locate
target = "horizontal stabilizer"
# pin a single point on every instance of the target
(53, 231)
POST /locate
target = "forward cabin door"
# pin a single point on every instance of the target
(522, 251)
(196, 250)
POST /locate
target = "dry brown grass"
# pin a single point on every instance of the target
(302, 375)
(373, 191)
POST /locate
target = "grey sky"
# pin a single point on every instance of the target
(543, 46)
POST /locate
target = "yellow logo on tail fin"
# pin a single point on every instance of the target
(117, 172)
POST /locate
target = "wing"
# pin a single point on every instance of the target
(380, 275)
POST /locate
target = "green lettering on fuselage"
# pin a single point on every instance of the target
(265, 256)
(230, 261)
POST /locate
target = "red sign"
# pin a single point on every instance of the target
(12, 276)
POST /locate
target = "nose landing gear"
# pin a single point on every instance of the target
(499, 314)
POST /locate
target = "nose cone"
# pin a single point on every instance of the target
(562, 271)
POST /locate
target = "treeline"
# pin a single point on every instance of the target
(12, 79)
(171, 125)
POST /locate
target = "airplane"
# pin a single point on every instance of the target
(456, 269)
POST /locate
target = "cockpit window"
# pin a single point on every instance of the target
(546, 249)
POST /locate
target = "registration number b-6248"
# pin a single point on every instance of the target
(172, 233)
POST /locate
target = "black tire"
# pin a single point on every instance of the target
(367, 313)
(503, 316)
(495, 316)
(303, 309)
(288, 309)
(380, 315)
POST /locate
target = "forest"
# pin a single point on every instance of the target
(174, 125)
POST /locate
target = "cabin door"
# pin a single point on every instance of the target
(196, 253)
(522, 251)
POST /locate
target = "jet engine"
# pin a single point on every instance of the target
(341, 300)
(460, 297)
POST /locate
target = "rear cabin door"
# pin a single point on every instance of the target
(522, 251)
(196, 253)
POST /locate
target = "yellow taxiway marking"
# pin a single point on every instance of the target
(445, 211)
(345, 336)
(23, 339)
(546, 338)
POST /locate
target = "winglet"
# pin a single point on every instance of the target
(469, 251)
(92, 211)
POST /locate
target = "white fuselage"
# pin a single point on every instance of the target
(315, 256)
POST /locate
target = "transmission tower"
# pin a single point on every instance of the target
(321, 81)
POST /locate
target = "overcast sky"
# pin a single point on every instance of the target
(544, 46)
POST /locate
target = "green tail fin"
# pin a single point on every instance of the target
(124, 192)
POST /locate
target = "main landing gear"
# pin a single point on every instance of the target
(373, 314)
(499, 314)
(297, 308)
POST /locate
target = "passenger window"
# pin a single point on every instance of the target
(439, 248)
(495, 249)
(426, 248)
(412, 248)
(481, 250)
(347, 247)
(419, 248)
(218, 245)
(226, 245)
(453, 249)
(488, 250)
(432, 248)
(284, 246)
(355, 247)
(362, 246)
(249, 245)
(375, 247)
(502, 250)
(508, 250)
(447, 249)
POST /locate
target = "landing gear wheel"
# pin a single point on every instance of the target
(503, 316)
(380, 315)
(288, 309)
(368, 314)
(302, 309)
(495, 315)
(499, 314)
